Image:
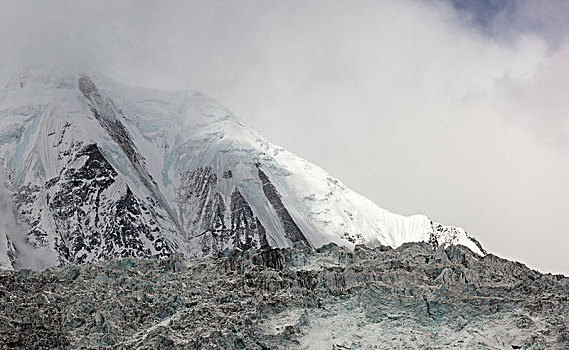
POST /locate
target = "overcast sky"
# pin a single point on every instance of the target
(455, 109)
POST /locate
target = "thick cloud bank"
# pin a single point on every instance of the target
(457, 109)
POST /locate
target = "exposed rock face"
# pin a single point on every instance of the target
(93, 222)
(215, 221)
(291, 230)
(332, 298)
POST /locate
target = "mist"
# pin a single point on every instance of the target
(455, 109)
(27, 254)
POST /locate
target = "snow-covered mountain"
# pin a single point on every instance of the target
(97, 170)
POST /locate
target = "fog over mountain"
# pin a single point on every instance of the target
(446, 108)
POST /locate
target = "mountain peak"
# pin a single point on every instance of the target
(99, 170)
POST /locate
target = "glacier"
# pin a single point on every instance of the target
(98, 169)
(411, 297)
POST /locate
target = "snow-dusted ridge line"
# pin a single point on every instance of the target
(101, 170)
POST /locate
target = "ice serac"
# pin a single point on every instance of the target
(99, 170)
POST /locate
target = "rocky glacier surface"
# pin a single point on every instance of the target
(92, 169)
(413, 296)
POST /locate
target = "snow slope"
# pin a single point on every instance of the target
(101, 170)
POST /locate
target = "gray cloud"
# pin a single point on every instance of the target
(440, 107)
(507, 19)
